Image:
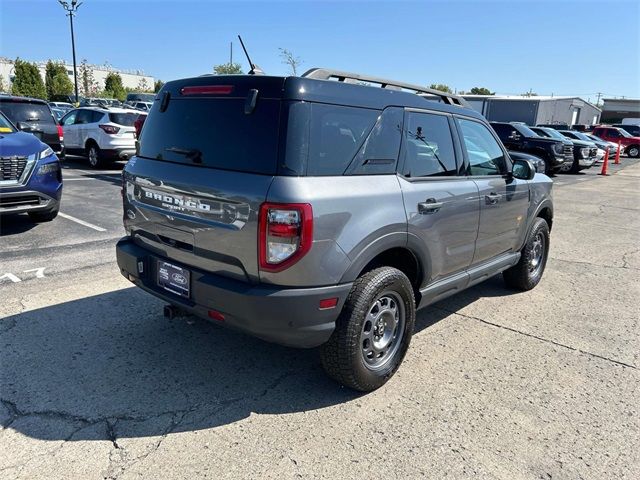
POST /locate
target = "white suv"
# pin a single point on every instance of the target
(101, 134)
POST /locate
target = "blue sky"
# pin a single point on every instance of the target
(559, 47)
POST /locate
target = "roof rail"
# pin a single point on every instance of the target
(347, 77)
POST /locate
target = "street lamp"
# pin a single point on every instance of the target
(71, 11)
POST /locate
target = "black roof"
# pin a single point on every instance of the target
(323, 91)
(16, 98)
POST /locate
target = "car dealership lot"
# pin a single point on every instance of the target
(96, 383)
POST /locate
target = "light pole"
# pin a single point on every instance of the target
(71, 11)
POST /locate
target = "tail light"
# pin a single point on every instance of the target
(286, 234)
(110, 129)
(207, 90)
(60, 133)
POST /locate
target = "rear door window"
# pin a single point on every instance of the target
(214, 133)
(83, 116)
(428, 148)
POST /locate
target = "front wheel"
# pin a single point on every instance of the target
(526, 274)
(373, 331)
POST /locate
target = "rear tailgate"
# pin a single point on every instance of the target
(205, 164)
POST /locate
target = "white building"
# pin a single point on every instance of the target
(130, 78)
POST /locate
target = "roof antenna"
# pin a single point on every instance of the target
(255, 70)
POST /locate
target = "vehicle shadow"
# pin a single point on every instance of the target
(110, 366)
(15, 224)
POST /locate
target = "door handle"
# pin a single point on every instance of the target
(429, 206)
(492, 198)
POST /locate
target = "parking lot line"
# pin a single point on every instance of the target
(82, 222)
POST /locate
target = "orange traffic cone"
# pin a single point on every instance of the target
(617, 160)
(605, 163)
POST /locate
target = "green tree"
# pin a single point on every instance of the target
(481, 91)
(52, 69)
(27, 81)
(227, 68)
(157, 86)
(288, 58)
(61, 85)
(113, 86)
(441, 87)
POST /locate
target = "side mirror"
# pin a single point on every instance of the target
(523, 169)
(22, 126)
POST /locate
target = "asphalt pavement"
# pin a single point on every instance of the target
(95, 383)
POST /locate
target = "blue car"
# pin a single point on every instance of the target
(30, 175)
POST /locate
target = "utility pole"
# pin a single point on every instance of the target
(230, 53)
(71, 10)
(598, 100)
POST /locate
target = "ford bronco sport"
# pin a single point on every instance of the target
(316, 211)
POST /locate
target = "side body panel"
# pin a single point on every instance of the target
(443, 238)
(503, 216)
(354, 217)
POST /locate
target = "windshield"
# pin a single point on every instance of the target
(582, 136)
(125, 119)
(524, 130)
(624, 133)
(596, 138)
(5, 125)
(27, 112)
(554, 133)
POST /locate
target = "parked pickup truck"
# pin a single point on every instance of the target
(585, 153)
(520, 138)
(629, 143)
(320, 213)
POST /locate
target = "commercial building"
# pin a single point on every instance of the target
(535, 110)
(615, 109)
(134, 79)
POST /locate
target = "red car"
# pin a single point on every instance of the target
(630, 144)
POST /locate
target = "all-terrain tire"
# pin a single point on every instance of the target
(343, 356)
(526, 274)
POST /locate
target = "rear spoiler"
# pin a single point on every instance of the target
(347, 77)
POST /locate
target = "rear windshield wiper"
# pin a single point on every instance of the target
(191, 153)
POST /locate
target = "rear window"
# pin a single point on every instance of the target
(325, 137)
(125, 119)
(27, 112)
(214, 133)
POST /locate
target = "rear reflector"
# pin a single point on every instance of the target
(328, 303)
(215, 315)
(60, 133)
(207, 90)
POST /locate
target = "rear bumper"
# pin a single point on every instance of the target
(288, 316)
(123, 153)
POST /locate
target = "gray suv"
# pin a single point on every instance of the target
(318, 211)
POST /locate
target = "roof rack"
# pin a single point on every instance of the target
(347, 77)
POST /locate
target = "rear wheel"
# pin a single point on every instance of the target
(43, 216)
(93, 155)
(634, 151)
(373, 330)
(526, 274)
